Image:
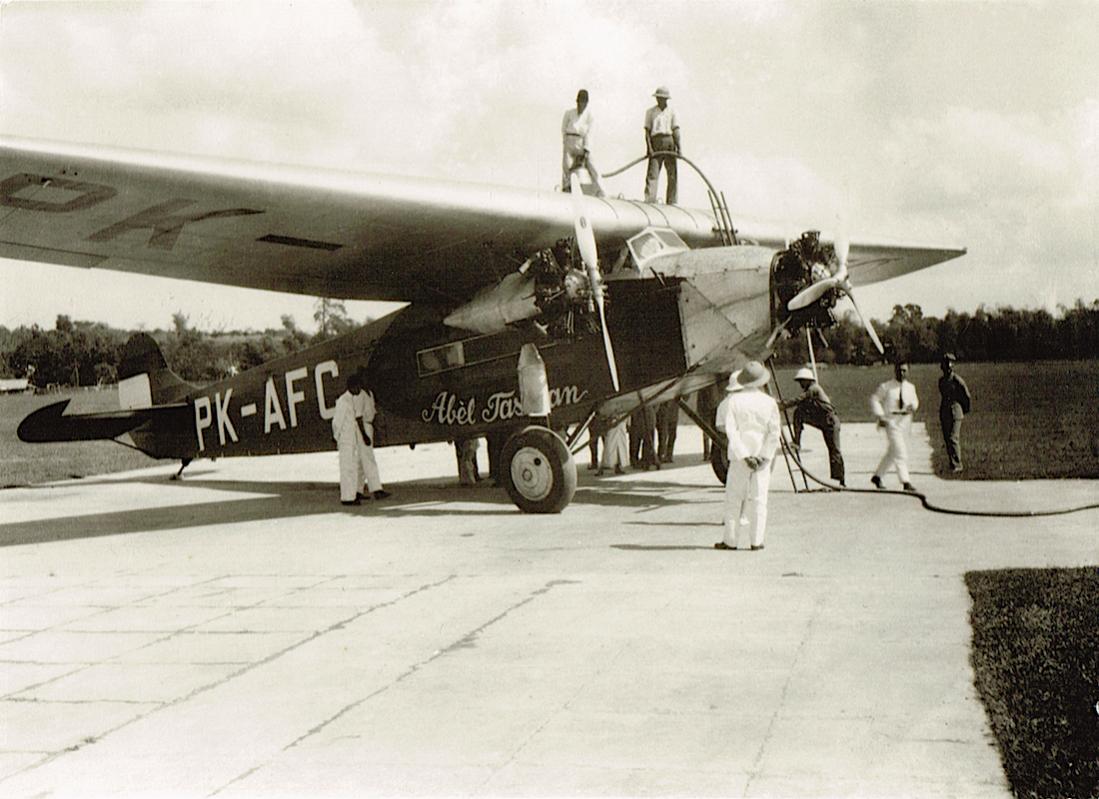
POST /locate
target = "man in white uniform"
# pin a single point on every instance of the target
(356, 457)
(616, 449)
(893, 403)
(576, 143)
(751, 421)
(366, 411)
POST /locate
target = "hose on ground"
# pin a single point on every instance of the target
(931, 506)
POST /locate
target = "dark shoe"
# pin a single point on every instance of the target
(877, 482)
(619, 470)
(380, 494)
(599, 473)
(756, 548)
(361, 497)
(910, 488)
(355, 501)
(723, 545)
(592, 467)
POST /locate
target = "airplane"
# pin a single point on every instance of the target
(528, 312)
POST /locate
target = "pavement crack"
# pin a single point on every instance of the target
(339, 625)
(757, 762)
(251, 666)
(464, 642)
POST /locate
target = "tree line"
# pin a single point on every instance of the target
(79, 353)
(998, 334)
(87, 353)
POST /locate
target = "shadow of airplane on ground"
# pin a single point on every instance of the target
(426, 498)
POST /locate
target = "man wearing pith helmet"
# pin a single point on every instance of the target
(661, 136)
(751, 422)
(813, 407)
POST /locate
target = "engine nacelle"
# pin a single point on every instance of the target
(511, 300)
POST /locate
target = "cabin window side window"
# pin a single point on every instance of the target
(440, 359)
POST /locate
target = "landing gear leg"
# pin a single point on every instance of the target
(719, 456)
(179, 475)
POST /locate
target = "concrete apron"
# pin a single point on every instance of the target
(242, 634)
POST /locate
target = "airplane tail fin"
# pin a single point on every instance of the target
(144, 379)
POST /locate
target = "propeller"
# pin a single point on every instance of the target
(585, 242)
(838, 281)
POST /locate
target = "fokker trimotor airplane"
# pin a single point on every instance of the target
(517, 300)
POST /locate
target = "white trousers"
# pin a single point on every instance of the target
(356, 463)
(746, 503)
(896, 453)
(616, 447)
(573, 150)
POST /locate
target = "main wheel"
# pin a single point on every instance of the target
(719, 460)
(538, 471)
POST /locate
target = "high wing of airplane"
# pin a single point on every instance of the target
(619, 303)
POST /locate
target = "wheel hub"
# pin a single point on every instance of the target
(531, 473)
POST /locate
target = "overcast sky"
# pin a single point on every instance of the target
(966, 124)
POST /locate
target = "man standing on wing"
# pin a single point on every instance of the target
(662, 136)
(751, 422)
(576, 143)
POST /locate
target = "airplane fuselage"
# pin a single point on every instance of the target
(435, 383)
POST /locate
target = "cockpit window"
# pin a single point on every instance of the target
(652, 242)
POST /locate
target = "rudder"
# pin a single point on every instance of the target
(144, 379)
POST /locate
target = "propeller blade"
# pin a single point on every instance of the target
(842, 248)
(812, 355)
(813, 292)
(866, 323)
(585, 242)
(608, 348)
(585, 238)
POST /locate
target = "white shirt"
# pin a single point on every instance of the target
(364, 406)
(344, 422)
(752, 424)
(659, 121)
(886, 399)
(578, 125)
(365, 410)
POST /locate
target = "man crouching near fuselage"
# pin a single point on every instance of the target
(352, 427)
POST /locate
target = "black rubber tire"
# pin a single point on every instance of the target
(538, 471)
(719, 460)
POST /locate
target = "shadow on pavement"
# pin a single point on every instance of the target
(283, 500)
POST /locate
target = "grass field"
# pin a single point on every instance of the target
(1029, 420)
(1036, 661)
(22, 464)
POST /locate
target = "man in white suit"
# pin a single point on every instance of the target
(751, 421)
(893, 403)
(353, 429)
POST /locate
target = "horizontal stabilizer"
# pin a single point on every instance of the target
(51, 424)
